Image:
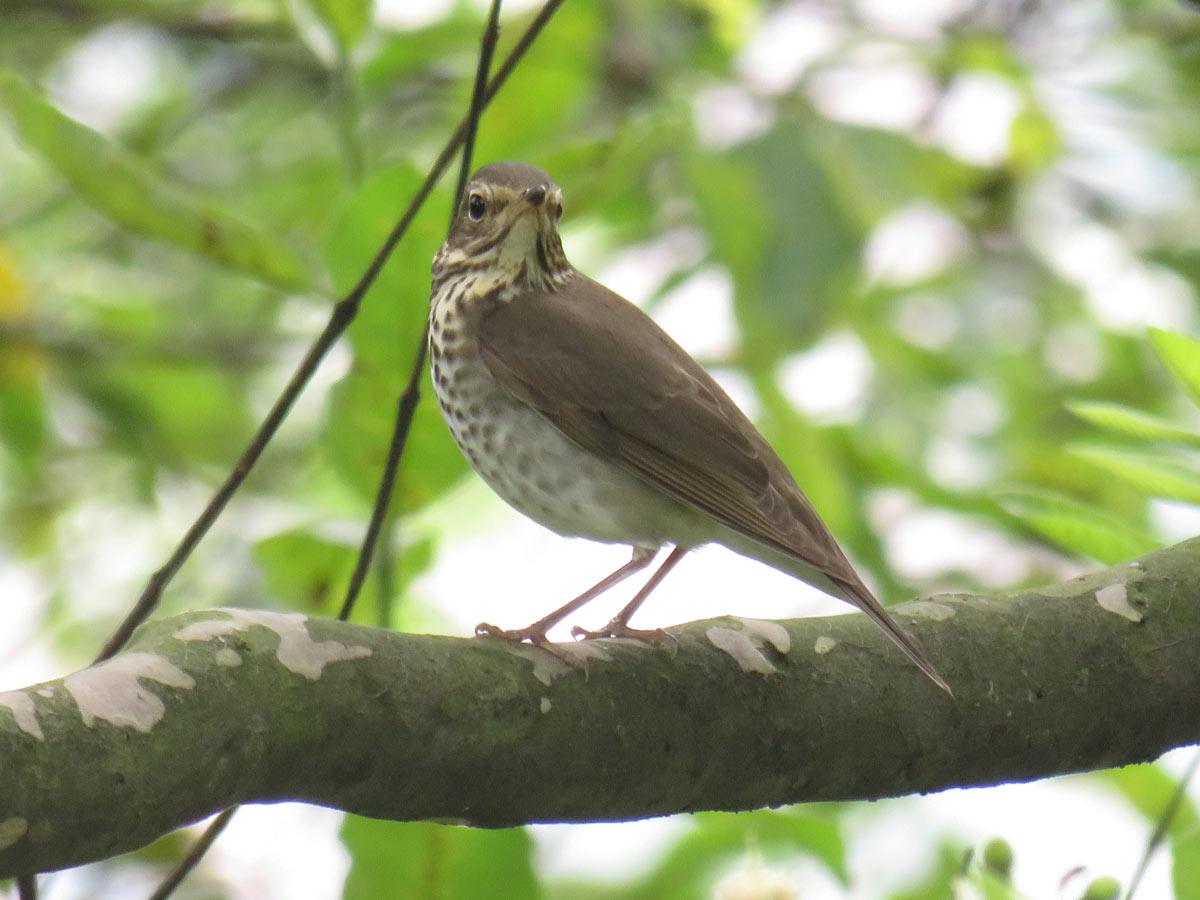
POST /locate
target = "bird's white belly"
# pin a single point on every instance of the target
(540, 472)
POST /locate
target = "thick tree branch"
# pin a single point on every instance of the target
(214, 708)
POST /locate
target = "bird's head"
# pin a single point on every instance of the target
(507, 223)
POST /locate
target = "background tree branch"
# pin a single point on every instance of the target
(218, 707)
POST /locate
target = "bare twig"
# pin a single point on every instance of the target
(342, 315)
(487, 46)
(1163, 825)
(411, 395)
(167, 886)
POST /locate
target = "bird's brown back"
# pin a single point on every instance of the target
(607, 376)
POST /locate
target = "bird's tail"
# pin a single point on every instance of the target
(857, 593)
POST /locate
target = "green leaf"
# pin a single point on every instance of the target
(302, 570)
(127, 190)
(420, 860)
(1185, 865)
(774, 220)
(813, 247)
(1181, 355)
(165, 413)
(363, 408)
(1133, 422)
(690, 868)
(22, 404)
(538, 103)
(876, 171)
(941, 880)
(1148, 787)
(737, 239)
(392, 315)
(306, 571)
(813, 455)
(994, 887)
(1035, 139)
(1158, 474)
(1077, 526)
(385, 336)
(347, 20)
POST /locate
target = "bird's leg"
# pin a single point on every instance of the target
(536, 633)
(619, 625)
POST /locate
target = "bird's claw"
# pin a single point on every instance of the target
(569, 654)
(535, 636)
(616, 629)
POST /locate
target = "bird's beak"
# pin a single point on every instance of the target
(545, 199)
(536, 196)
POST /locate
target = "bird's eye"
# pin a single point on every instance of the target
(558, 210)
(476, 206)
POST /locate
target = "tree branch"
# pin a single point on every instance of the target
(214, 708)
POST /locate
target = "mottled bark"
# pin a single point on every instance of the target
(214, 708)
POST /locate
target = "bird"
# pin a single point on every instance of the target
(583, 414)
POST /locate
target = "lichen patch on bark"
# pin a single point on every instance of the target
(566, 657)
(773, 632)
(739, 646)
(113, 690)
(297, 651)
(824, 644)
(24, 712)
(12, 830)
(227, 657)
(1115, 599)
(927, 609)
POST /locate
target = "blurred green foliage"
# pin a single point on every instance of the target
(422, 859)
(186, 187)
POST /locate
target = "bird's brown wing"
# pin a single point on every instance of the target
(610, 379)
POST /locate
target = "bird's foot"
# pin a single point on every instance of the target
(618, 629)
(571, 655)
(533, 634)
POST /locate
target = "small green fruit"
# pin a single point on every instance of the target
(1104, 888)
(998, 857)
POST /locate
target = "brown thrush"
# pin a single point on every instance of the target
(583, 414)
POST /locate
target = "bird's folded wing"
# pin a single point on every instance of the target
(603, 373)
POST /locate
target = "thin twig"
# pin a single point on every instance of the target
(167, 886)
(343, 313)
(464, 134)
(26, 887)
(411, 395)
(385, 574)
(1163, 825)
(487, 47)
(387, 480)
